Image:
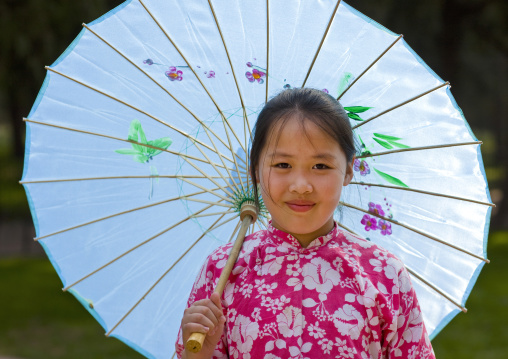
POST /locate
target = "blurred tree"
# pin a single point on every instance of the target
(32, 34)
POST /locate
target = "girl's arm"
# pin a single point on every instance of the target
(203, 316)
(406, 336)
(204, 310)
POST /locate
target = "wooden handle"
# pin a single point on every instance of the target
(196, 340)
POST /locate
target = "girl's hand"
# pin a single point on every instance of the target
(204, 316)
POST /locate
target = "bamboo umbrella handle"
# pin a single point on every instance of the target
(248, 215)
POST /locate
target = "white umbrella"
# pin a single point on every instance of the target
(136, 152)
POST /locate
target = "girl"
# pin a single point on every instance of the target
(303, 287)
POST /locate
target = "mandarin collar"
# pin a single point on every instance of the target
(283, 237)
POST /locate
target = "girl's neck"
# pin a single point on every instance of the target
(307, 238)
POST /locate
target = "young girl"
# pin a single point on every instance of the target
(304, 288)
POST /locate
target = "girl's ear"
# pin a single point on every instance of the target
(349, 172)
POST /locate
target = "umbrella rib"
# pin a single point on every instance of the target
(213, 214)
(215, 168)
(158, 84)
(190, 67)
(207, 202)
(346, 228)
(209, 177)
(435, 289)
(415, 230)
(207, 190)
(420, 148)
(162, 276)
(401, 104)
(246, 121)
(416, 276)
(234, 232)
(118, 139)
(130, 106)
(424, 192)
(232, 68)
(119, 214)
(221, 159)
(322, 41)
(135, 247)
(105, 178)
(369, 67)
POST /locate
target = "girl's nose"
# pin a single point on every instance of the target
(300, 184)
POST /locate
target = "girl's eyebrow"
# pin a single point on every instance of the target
(324, 155)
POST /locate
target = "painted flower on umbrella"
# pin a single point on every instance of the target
(362, 166)
(385, 227)
(255, 75)
(148, 62)
(369, 222)
(210, 74)
(173, 74)
(376, 209)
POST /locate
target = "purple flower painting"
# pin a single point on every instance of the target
(362, 166)
(255, 75)
(376, 209)
(385, 227)
(173, 74)
(369, 222)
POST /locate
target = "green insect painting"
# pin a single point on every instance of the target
(143, 151)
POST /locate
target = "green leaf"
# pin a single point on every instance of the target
(141, 158)
(127, 151)
(357, 109)
(344, 82)
(386, 137)
(399, 145)
(383, 143)
(163, 142)
(134, 136)
(354, 116)
(391, 179)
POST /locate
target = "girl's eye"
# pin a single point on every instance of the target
(282, 165)
(321, 166)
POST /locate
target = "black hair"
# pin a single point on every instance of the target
(311, 105)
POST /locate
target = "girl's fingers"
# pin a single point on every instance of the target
(200, 315)
(213, 303)
(195, 328)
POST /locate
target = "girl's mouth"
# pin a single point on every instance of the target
(300, 206)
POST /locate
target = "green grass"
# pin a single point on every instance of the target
(38, 320)
(483, 331)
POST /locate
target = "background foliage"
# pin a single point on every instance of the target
(464, 41)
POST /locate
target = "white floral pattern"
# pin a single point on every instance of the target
(341, 297)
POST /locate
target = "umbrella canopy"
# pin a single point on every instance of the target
(137, 146)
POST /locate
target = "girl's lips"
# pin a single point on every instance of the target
(300, 206)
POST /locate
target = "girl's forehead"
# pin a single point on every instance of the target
(296, 137)
(297, 129)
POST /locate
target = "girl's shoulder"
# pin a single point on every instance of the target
(367, 249)
(250, 243)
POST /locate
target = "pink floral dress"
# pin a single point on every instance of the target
(341, 297)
